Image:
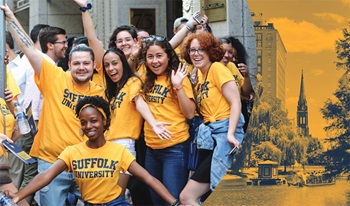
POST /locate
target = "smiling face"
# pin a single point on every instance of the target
(92, 124)
(113, 66)
(82, 66)
(199, 57)
(59, 48)
(228, 55)
(124, 42)
(156, 59)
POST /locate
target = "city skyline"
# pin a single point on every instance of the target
(309, 31)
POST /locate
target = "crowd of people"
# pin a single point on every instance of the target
(115, 121)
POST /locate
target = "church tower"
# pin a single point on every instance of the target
(302, 112)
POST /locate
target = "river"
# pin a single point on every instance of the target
(236, 192)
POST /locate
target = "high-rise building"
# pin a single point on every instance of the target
(271, 58)
(302, 111)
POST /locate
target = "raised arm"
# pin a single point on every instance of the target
(90, 32)
(181, 35)
(187, 105)
(22, 39)
(247, 87)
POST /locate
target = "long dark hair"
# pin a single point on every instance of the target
(113, 88)
(173, 63)
(241, 52)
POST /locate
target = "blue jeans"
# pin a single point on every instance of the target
(169, 166)
(57, 191)
(119, 201)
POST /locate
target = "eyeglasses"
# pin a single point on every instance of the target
(192, 51)
(155, 38)
(143, 38)
(61, 42)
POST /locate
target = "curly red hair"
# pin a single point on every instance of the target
(208, 42)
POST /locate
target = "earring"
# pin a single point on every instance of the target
(81, 133)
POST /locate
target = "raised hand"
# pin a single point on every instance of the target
(135, 51)
(204, 19)
(160, 129)
(178, 77)
(81, 2)
(243, 69)
(8, 13)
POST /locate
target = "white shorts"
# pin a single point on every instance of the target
(129, 144)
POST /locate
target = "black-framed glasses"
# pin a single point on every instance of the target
(61, 42)
(192, 51)
(155, 38)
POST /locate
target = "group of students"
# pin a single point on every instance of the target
(144, 88)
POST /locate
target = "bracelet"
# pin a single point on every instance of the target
(87, 7)
(190, 26)
(175, 203)
(178, 88)
(131, 58)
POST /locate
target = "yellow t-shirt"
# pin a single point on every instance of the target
(166, 108)
(126, 121)
(212, 103)
(58, 125)
(238, 77)
(98, 79)
(96, 171)
(11, 83)
(9, 121)
(142, 71)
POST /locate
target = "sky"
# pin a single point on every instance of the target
(309, 29)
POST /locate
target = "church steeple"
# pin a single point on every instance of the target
(302, 110)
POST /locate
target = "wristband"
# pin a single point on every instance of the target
(87, 7)
(131, 58)
(176, 203)
(189, 25)
(178, 88)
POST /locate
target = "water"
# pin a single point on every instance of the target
(236, 192)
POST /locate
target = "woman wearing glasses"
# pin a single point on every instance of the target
(168, 93)
(219, 102)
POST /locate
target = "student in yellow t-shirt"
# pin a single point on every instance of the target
(169, 96)
(96, 162)
(219, 103)
(123, 91)
(235, 59)
(7, 128)
(243, 82)
(58, 126)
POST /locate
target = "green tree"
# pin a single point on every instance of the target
(336, 111)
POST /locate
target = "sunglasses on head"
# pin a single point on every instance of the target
(155, 38)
